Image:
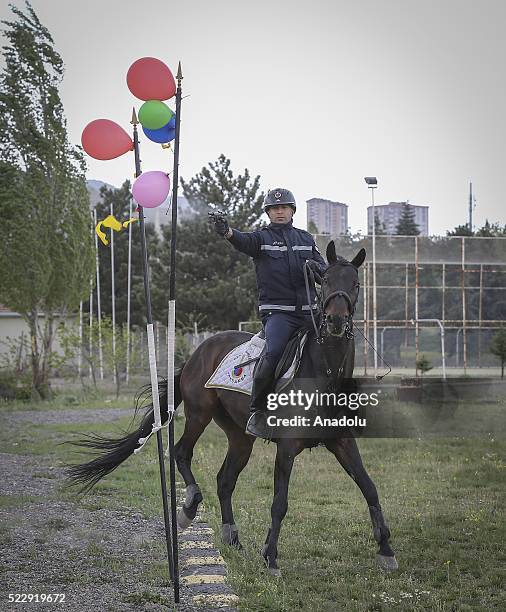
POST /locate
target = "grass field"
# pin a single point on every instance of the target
(443, 500)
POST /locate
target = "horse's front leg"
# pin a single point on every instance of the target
(286, 452)
(348, 455)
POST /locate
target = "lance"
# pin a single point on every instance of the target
(152, 358)
(171, 335)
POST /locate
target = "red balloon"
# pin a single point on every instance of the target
(150, 79)
(105, 139)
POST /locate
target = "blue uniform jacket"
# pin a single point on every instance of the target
(279, 252)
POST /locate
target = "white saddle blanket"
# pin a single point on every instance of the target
(228, 376)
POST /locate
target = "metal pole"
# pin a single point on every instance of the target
(417, 327)
(80, 354)
(113, 305)
(457, 352)
(443, 281)
(463, 281)
(152, 358)
(99, 307)
(90, 322)
(374, 301)
(406, 306)
(171, 330)
(480, 313)
(129, 291)
(366, 291)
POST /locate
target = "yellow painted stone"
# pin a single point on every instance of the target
(203, 579)
(198, 544)
(217, 560)
(217, 600)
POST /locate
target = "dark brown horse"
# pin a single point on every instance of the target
(327, 361)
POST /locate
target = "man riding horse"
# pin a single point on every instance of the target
(279, 252)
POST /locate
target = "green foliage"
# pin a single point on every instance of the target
(44, 235)
(423, 364)
(488, 230)
(379, 227)
(119, 200)
(216, 187)
(498, 347)
(311, 227)
(407, 225)
(213, 280)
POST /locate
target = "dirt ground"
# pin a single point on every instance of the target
(100, 559)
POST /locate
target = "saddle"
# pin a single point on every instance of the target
(236, 373)
(290, 359)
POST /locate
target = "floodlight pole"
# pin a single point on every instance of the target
(372, 184)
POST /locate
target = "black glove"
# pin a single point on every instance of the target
(221, 226)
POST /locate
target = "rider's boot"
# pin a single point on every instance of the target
(262, 384)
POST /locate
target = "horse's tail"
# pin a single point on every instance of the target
(113, 451)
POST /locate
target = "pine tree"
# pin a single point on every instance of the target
(407, 225)
(213, 279)
(45, 242)
(379, 227)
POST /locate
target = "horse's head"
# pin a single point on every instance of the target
(340, 289)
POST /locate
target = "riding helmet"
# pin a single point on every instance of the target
(279, 196)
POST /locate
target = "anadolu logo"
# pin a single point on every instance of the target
(237, 374)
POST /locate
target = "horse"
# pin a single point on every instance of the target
(328, 358)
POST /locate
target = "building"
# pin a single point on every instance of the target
(389, 215)
(327, 216)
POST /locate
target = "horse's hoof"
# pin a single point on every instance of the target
(183, 522)
(275, 572)
(389, 564)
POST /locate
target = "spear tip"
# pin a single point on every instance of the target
(134, 121)
(179, 75)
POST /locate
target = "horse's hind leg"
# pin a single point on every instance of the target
(194, 426)
(239, 452)
(347, 453)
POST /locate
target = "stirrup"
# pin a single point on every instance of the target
(257, 425)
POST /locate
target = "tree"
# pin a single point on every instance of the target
(379, 227)
(213, 279)
(498, 347)
(312, 228)
(407, 225)
(488, 230)
(423, 364)
(216, 187)
(45, 231)
(119, 199)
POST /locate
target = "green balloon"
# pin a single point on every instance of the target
(154, 114)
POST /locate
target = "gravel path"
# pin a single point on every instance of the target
(101, 559)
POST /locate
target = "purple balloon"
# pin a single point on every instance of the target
(151, 188)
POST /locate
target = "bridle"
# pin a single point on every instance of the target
(321, 330)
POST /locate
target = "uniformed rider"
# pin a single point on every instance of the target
(279, 251)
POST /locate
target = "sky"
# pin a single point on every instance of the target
(310, 96)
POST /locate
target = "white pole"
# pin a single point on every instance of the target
(90, 343)
(171, 337)
(80, 354)
(374, 303)
(99, 308)
(129, 286)
(113, 299)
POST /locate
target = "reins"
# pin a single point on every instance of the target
(323, 300)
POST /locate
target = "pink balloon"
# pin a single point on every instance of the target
(150, 79)
(151, 189)
(105, 139)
